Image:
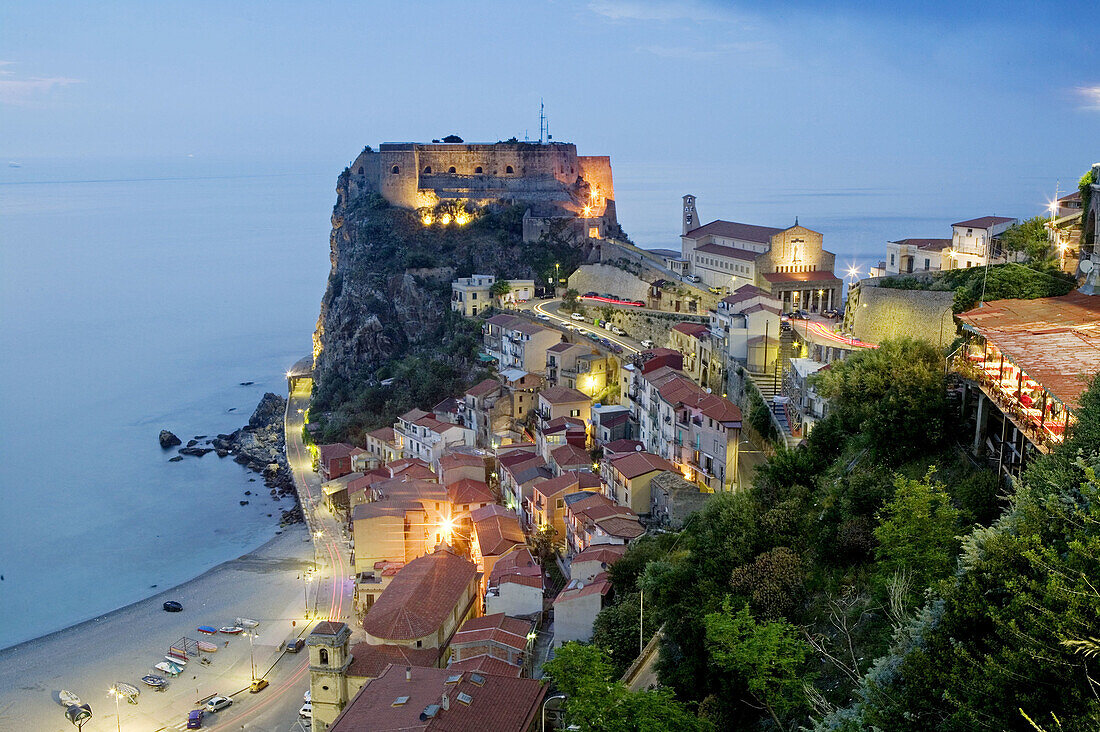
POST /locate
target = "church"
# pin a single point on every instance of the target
(788, 263)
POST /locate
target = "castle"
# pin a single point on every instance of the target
(559, 187)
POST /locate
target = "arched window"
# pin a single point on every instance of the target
(451, 169)
(428, 169)
(395, 170)
(477, 170)
(360, 170)
(509, 169)
(323, 655)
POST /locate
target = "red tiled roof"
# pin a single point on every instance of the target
(744, 292)
(421, 597)
(984, 222)
(562, 395)
(397, 466)
(334, 451)
(497, 532)
(623, 446)
(504, 320)
(676, 389)
(414, 414)
(635, 464)
(734, 230)
(498, 628)
(369, 661)
(925, 243)
(760, 306)
(1054, 340)
(696, 330)
(468, 491)
(623, 528)
(518, 579)
(461, 460)
(418, 472)
(820, 276)
(385, 434)
(486, 664)
(567, 455)
(328, 627)
(516, 564)
(482, 388)
(729, 252)
(565, 481)
(567, 424)
(497, 703)
(600, 585)
(516, 457)
(606, 553)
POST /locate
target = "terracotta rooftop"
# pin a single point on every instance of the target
(677, 389)
(461, 460)
(635, 464)
(562, 395)
(334, 451)
(497, 628)
(504, 320)
(734, 230)
(567, 480)
(619, 446)
(819, 276)
(486, 664)
(498, 532)
(984, 222)
(397, 466)
(623, 528)
(744, 292)
(568, 455)
(608, 554)
(516, 563)
(563, 347)
(730, 252)
(515, 458)
(414, 414)
(478, 702)
(385, 434)
(566, 424)
(328, 627)
(1054, 340)
(370, 661)
(696, 330)
(482, 388)
(466, 491)
(925, 243)
(760, 306)
(418, 472)
(421, 597)
(600, 585)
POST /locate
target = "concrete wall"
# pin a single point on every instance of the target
(605, 278)
(573, 618)
(515, 600)
(875, 314)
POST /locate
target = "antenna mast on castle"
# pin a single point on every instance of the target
(544, 124)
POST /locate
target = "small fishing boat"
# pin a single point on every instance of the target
(169, 668)
(176, 660)
(154, 681)
(208, 629)
(68, 699)
(207, 647)
(247, 622)
(231, 629)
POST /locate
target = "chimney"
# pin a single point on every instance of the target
(408, 673)
(446, 701)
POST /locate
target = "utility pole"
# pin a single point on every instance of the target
(641, 605)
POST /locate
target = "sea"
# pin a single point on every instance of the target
(142, 295)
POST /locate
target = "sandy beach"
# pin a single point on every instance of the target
(122, 646)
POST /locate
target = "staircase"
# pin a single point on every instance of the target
(768, 383)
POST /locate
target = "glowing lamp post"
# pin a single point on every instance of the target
(305, 591)
(114, 691)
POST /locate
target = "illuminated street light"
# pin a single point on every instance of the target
(113, 691)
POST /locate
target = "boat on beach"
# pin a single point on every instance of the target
(181, 662)
(208, 629)
(169, 668)
(231, 629)
(207, 647)
(247, 622)
(154, 681)
(68, 699)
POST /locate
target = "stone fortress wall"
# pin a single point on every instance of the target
(414, 175)
(875, 314)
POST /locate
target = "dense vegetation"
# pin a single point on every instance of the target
(1002, 281)
(878, 540)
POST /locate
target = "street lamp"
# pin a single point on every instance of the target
(113, 691)
(305, 591)
(251, 657)
(560, 698)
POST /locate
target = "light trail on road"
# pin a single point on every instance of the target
(584, 326)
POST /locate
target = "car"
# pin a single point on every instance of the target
(543, 316)
(616, 348)
(217, 703)
(647, 343)
(293, 646)
(577, 316)
(194, 719)
(605, 342)
(590, 294)
(785, 325)
(715, 290)
(306, 712)
(593, 336)
(693, 278)
(172, 606)
(257, 686)
(617, 330)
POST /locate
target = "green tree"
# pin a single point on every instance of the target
(616, 630)
(1032, 238)
(916, 533)
(570, 301)
(767, 658)
(500, 288)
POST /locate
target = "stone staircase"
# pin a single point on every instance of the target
(770, 385)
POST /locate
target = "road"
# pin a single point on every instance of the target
(550, 308)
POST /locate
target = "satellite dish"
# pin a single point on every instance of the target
(1086, 265)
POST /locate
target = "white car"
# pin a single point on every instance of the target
(617, 330)
(543, 316)
(218, 703)
(306, 712)
(577, 316)
(647, 344)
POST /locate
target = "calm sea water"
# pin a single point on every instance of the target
(135, 298)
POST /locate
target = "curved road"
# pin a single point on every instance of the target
(550, 309)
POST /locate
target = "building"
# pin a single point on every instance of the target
(456, 465)
(579, 366)
(518, 343)
(560, 401)
(382, 447)
(515, 584)
(413, 699)
(973, 243)
(915, 255)
(805, 406)
(487, 411)
(595, 560)
(329, 659)
(519, 472)
(570, 457)
(699, 433)
(1026, 364)
(790, 264)
(745, 328)
(548, 503)
(592, 518)
(576, 608)
(334, 460)
(611, 422)
(470, 295)
(701, 361)
(523, 389)
(627, 479)
(673, 499)
(495, 644)
(496, 533)
(420, 435)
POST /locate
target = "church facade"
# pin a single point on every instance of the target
(790, 264)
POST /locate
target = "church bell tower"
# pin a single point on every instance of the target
(691, 217)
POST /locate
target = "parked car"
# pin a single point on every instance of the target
(306, 712)
(590, 294)
(218, 703)
(306, 697)
(543, 316)
(647, 343)
(616, 348)
(172, 606)
(639, 303)
(800, 315)
(693, 278)
(194, 719)
(785, 325)
(293, 646)
(257, 686)
(617, 330)
(577, 316)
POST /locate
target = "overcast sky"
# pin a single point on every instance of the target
(986, 104)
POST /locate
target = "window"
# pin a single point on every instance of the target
(428, 170)
(451, 169)
(420, 644)
(473, 295)
(509, 169)
(477, 170)
(574, 412)
(322, 656)
(927, 263)
(891, 260)
(395, 170)
(360, 170)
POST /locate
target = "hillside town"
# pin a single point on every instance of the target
(622, 397)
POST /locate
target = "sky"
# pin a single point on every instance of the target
(854, 112)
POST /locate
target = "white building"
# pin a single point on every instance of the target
(470, 295)
(745, 327)
(420, 435)
(915, 255)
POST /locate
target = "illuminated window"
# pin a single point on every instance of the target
(593, 232)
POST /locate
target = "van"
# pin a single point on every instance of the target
(577, 316)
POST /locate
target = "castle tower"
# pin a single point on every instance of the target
(329, 659)
(691, 216)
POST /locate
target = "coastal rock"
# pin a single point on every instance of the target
(175, 459)
(244, 503)
(167, 439)
(192, 443)
(268, 412)
(221, 453)
(196, 451)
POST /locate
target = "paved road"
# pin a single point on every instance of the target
(550, 308)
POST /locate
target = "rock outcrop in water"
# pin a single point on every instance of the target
(167, 439)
